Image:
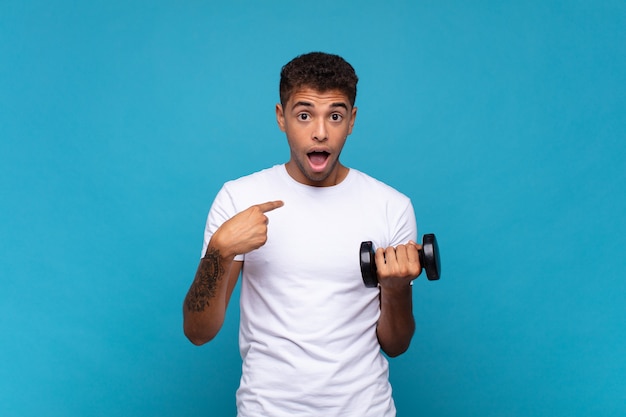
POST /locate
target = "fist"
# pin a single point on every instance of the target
(398, 266)
(244, 232)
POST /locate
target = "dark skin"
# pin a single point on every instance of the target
(208, 296)
(204, 287)
(397, 267)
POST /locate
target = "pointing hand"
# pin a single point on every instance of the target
(244, 232)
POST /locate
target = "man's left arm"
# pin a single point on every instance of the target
(397, 267)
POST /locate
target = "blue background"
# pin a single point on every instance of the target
(505, 123)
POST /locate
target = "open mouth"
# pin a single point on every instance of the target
(318, 158)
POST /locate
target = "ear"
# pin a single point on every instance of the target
(280, 116)
(352, 120)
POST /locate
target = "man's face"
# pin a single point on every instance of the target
(317, 125)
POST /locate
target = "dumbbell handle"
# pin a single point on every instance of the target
(428, 255)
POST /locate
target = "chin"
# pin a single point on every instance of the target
(317, 176)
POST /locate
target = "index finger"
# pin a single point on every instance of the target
(270, 205)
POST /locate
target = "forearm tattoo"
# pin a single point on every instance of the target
(210, 272)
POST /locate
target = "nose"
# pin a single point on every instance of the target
(320, 133)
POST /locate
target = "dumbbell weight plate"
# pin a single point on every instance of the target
(430, 258)
(368, 265)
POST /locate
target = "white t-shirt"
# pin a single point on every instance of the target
(308, 324)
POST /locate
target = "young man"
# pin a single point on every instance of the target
(311, 333)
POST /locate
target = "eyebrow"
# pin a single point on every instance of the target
(308, 104)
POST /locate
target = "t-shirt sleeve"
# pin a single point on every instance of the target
(222, 209)
(404, 225)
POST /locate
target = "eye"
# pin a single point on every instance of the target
(336, 117)
(303, 116)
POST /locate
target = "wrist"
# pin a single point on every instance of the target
(219, 248)
(396, 289)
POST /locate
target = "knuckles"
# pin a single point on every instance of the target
(399, 262)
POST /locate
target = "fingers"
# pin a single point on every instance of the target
(247, 230)
(401, 261)
(412, 252)
(270, 205)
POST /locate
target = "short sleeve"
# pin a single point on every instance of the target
(222, 209)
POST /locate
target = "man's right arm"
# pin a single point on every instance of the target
(205, 305)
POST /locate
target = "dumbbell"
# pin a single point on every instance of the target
(429, 259)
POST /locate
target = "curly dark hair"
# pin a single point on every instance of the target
(320, 71)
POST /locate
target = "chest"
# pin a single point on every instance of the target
(318, 238)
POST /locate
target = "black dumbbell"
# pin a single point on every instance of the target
(429, 259)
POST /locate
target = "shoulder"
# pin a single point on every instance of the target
(376, 187)
(389, 212)
(256, 179)
(255, 188)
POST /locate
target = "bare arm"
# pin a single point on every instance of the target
(205, 305)
(397, 267)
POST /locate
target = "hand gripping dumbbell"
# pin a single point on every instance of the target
(429, 259)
